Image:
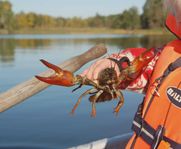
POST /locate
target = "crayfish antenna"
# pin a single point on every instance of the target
(77, 88)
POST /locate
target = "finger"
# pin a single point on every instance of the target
(88, 72)
(101, 65)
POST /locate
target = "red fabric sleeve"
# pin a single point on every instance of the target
(139, 84)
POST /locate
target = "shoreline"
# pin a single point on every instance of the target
(162, 31)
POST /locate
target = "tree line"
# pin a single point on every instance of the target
(129, 19)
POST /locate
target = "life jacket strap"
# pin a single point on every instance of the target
(149, 134)
(173, 66)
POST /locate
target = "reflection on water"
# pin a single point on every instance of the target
(32, 43)
(8, 44)
(43, 120)
(155, 41)
(7, 48)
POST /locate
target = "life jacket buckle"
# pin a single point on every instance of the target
(141, 127)
(154, 87)
(158, 136)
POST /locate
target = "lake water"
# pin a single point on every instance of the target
(43, 121)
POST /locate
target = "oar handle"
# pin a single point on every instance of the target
(76, 62)
(28, 88)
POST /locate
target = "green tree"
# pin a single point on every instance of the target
(21, 20)
(31, 20)
(6, 16)
(129, 19)
(60, 22)
(109, 21)
(97, 21)
(75, 22)
(152, 16)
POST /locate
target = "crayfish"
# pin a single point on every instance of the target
(109, 84)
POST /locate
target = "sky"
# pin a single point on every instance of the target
(80, 8)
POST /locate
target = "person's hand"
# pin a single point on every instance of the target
(137, 85)
(93, 71)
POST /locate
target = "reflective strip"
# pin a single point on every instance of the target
(147, 133)
(143, 130)
(137, 124)
(158, 139)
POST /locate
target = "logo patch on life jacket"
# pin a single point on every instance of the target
(174, 95)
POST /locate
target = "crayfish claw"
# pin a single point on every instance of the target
(49, 80)
(60, 77)
(51, 66)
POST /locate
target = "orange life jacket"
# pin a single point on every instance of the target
(157, 123)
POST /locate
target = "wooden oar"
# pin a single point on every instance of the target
(28, 88)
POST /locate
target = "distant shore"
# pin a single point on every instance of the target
(87, 31)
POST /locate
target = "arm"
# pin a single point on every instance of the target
(114, 60)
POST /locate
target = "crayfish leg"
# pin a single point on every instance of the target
(80, 98)
(120, 103)
(93, 100)
(93, 113)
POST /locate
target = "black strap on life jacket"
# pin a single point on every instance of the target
(142, 128)
(171, 67)
(150, 135)
(176, 64)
